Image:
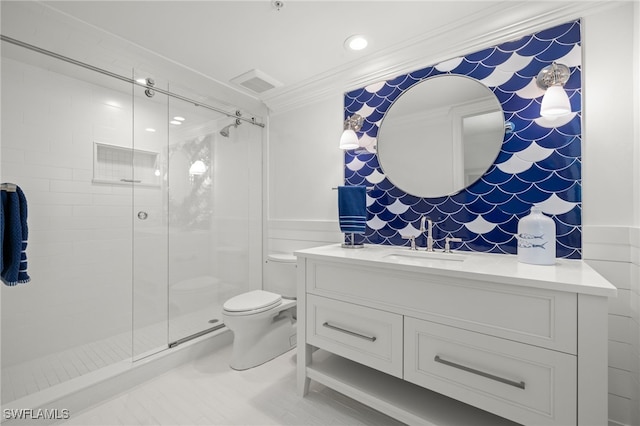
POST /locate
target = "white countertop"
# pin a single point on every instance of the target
(566, 275)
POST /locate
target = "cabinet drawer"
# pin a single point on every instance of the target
(368, 336)
(539, 317)
(524, 383)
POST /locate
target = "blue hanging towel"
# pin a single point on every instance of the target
(352, 209)
(13, 237)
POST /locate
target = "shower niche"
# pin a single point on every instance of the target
(118, 165)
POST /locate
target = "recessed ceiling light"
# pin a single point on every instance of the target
(356, 42)
(178, 118)
(176, 122)
(141, 81)
(149, 129)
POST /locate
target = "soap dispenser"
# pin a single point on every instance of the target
(537, 239)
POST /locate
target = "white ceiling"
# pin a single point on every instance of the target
(223, 39)
(300, 45)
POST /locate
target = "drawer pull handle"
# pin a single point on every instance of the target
(519, 385)
(362, 336)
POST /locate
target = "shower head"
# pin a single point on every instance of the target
(225, 130)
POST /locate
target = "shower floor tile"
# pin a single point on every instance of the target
(35, 375)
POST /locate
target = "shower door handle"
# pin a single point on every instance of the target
(142, 215)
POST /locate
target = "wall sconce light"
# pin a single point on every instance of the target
(555, 102)
(349, 139)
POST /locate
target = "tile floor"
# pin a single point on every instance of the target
(41, 373)
(206, 391)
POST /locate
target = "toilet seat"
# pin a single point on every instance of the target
(252, 302)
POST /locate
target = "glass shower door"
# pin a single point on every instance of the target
(193, 281)
(214, 181)
(149, 183)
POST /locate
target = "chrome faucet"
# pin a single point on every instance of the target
(429, 230)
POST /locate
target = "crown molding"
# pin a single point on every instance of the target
(500, 23)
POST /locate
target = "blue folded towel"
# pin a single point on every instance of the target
(352, 209)
(13, 238)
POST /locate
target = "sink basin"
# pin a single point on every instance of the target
(423, 257)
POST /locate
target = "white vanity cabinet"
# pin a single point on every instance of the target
(430, 340)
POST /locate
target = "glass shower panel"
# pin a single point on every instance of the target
(59, 122)
(194, 282)
(211, 158)
(237, 225)
(149, 183)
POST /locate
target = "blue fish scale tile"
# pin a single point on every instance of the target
(411, 216)
(570, 28)
(503, 97)
(386, 90)
(555, 50)
(448, 226)
(497, 196)
(493, 204)
(575, 80)
(556, 162)
(497, 236)
(532, 69)
(513, 46)
(576, 102)
(515, 206)
(464, 68)
(409, 200)
(534, 47)
(464, 197)
(515, 83)
(554, 184)
(497, 57)
(423, 73)
(573, 194)
(572, 172)
(481, 55)
(513, 105)
(387, 232)
(515, 185)
(480, 71)
(480, 187)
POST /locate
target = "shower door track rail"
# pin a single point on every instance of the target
(16, 42)
(196, 335)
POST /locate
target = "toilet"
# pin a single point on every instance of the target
(263, 321)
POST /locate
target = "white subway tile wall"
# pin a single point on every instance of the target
(79, 247)
(613, 253)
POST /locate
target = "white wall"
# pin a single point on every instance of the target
(304, 164)
(610, 168)
(610, 186)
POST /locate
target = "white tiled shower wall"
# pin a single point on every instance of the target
(80, 234)
(91, 281)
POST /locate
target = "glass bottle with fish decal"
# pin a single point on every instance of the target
(537, 239)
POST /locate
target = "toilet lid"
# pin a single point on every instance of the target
(256, 299)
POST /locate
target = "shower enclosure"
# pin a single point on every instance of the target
(143, 217)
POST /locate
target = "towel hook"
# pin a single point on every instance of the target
(9, 187)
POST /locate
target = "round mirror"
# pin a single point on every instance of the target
(440, 136)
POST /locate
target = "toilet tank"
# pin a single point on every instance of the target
(280, 274)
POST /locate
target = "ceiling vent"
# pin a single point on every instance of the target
(256, 81)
